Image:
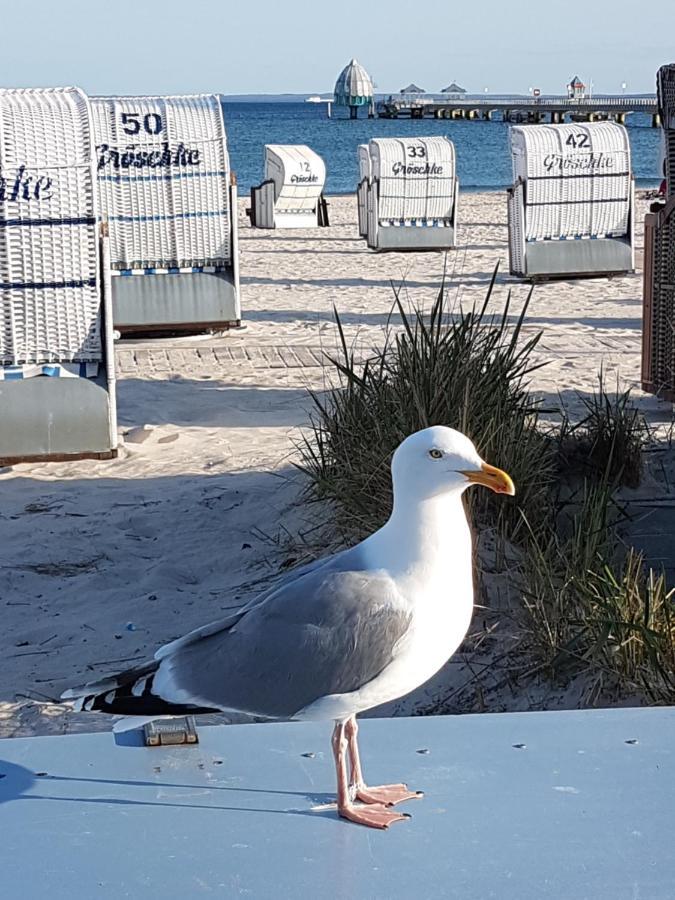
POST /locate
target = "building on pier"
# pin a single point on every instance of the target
(354, 89)
(454, 90)
(413, 88)
(576, 89)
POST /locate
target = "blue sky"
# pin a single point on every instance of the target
(272, 46)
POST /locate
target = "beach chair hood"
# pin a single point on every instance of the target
(412, 198)
(49, 255)
(57, 382)
(571, 209)
(166, 189)
(163, 174)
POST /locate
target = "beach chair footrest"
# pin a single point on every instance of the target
(171, 731)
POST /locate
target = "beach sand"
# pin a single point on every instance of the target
(104, 561)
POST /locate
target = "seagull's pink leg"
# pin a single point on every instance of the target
(388, 794)
(375, 815)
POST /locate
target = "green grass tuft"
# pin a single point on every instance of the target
(468, 371)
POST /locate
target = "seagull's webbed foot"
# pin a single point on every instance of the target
(375, 815)
(376, 811)
(385, 794)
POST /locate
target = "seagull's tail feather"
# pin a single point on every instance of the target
(129, 693)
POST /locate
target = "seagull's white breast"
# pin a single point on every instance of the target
(438, 590)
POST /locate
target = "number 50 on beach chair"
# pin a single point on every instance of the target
(166, 188)
(57, 381)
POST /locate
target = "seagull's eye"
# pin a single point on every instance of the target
(435, 453)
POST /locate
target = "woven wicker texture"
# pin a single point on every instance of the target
(163, 175)
(516, 236)
(577, 179)
(663, 306)
(299, 176)
(49, 268)
(363, 156)
(662, 363)
(416, 179)
(665, 92)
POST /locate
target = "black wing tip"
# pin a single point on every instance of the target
(127, 700)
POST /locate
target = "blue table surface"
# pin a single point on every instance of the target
(528, 806)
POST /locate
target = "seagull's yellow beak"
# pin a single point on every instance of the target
(491, 477)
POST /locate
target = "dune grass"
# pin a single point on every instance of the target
(608, 441)
(591, 608)
(592, 604)
(468, 371)
(589, 605)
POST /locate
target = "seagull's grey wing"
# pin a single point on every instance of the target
(233, 617)
(328, 632)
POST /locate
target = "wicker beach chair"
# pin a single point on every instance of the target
(166, 188)
(571, 208)
(290, 195)
(665, 92)
(658, 323)
(363, 154)
(57, 381)
(413, 193)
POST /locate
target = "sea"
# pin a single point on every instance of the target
(482, 148)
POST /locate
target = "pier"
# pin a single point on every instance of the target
(518, 109)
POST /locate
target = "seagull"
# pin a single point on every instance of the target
(341, 635)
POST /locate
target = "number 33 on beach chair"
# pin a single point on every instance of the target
(408, 194)
(165, 186)
(57, 380)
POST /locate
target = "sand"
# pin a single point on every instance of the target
(104, 561)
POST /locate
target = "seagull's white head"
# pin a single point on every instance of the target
(440, 460)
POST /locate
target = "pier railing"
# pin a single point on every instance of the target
(646, 103)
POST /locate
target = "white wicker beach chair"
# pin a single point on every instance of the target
(571, 208)
(658, 323)
(57, 380)
(363, 154)
(291, 192)
(413, 194)
(166, 188)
